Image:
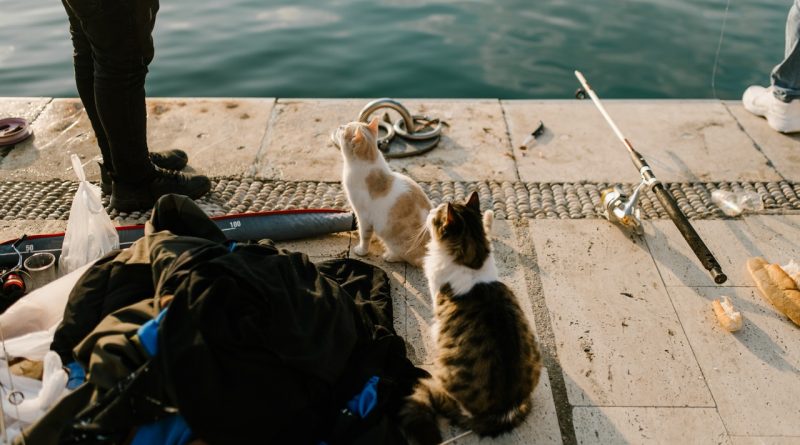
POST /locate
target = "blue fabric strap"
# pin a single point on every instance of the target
(76, 375)
(148, 334)
(363, 402)
(171, 430)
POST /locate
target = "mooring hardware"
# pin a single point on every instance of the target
(411, 135)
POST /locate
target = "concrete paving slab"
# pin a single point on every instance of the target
(14, 229)
(474, 147)
(24, 107)
(62, 128)
(619, 340)
(728, 240)
(685, 140)
(335, 245)
(298, 146)
(397, 277)
(753, 374)
(419, 316)
(221, 136)
(775, 237)
(620, 425)
(540, 427)
(765, 440)
(505, 247)
(782, 149)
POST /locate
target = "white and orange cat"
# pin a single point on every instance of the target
(388, 204)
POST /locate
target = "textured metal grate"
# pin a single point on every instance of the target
(509, 200)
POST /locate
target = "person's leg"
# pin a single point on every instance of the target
(83, 63)
(786, 75)
(120, 35)
(777, 103)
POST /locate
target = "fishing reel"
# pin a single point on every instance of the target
(12, 280)
(13, 285)
(623, 209)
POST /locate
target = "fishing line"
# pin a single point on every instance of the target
(453, 439)
(13, 391)
(719, 47)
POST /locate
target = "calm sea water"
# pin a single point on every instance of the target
(420, 48)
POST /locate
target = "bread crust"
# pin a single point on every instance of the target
(730, 319)
(776, 286)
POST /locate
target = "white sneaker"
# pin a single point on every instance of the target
(781, 116)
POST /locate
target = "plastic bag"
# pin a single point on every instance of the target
(34, 403)
(793, 270)
(32, 346)
(735, 203)
(90, 232)
(41, 309)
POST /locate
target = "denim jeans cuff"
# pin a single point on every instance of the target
(785, 94)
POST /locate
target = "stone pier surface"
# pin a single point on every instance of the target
(633, 352)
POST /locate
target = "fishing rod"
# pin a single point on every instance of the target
(619, 208)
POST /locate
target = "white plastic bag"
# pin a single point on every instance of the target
(40, 396)
(90, 232)
(41, 309)
(793, 270)
(735, 203)
(32, 346)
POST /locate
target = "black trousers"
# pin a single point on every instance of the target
(113, 46)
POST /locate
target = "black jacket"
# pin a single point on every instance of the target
(247, 325)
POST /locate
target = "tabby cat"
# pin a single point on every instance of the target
(487, 361)
(388, 204)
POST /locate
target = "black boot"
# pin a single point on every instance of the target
(170, 160)
(127, 197)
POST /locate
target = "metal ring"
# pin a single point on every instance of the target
(400, 128)
(385, 140)
(386, 103)
(409, 147)
(16, 397)
(14, 130)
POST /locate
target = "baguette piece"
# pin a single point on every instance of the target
(728, 318)
(776, 287)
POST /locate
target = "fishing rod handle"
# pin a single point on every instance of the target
(689, 234)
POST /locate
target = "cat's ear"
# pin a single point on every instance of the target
(373, 126)
(451, 215)
(357, 137)
(473, 202)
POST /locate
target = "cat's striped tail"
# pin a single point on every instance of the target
(418, 415)
(429, 399)
(493, 425)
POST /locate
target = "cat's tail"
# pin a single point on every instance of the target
(493, 425)
(418, 415)
(488, 219)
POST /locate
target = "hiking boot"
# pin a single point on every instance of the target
(127, 197)
(170, 160)
(781, 116)
(106, 179)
